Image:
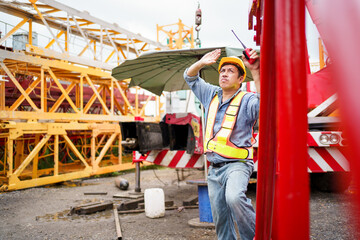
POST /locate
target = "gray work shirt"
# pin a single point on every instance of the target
(247, 115)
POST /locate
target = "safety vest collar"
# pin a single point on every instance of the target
(220, 94)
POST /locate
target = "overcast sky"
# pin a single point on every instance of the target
(141, 16)
(218, 18)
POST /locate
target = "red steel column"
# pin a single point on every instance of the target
(267, 126)
(292, 182)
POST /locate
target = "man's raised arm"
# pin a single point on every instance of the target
(207, 59)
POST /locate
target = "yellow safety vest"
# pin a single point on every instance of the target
(220, 143)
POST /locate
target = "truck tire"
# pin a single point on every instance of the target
(336, 182)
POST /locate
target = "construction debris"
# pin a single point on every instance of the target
(193, 200)
(128, 194)
(117, 223)
(95, 193)
(130, 204)
(91, 208)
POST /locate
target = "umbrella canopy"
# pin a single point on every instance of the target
(163, 70)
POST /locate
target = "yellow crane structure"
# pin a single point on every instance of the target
(177, 33)
(60, 110)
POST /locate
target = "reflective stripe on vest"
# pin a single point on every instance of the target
(220, 143)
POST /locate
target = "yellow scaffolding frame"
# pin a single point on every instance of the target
(178, 36)
(78, 141)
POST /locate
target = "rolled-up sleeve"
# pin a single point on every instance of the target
(203, 91)
(253, 106)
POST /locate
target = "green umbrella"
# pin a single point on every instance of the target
(163, 70)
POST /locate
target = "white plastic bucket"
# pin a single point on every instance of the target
(154, 202)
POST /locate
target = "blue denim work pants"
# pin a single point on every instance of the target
(227, 186)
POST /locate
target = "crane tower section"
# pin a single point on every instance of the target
(59, 106)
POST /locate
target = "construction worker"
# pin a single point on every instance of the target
(230, 115)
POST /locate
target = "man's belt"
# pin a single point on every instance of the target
(221, 164)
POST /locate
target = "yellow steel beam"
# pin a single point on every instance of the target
(103, 95)
(30, 32)
(16, 115)
(143, 47)
(77, 19)
(92, 100)
(110, 55)
(120, 148)
(66, 42)
(76, 152)
(40, 5)
(82, 94)
(62, 98)
(119, 107)
(100, 142)
(15, 183)
(112, 96)
(56, 155)
(36, 159)
(122, 52)
(47, 25)
(97, 94)
(21, 98)
(12, 31)
(54, 64)
(77, 96)
(17, 84)
(10, 155)
(43, 91)
(62, 90)
(19, 149)
(2, 95)
(104, 149)
(93, 150)
(84, 49)
(53, 40)
(123, 95)
(31, 155)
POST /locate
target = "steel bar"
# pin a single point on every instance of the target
(32, 154)
(137, 177)
(21, 98)
(48, 27)
(59, 101)
(63, 91)
(123, 95)
(97, 94)
(292, 186)
(105, 148)
(35, 162)
(56, 155)
(74, 149)
(117, 224)
(17, 84)
(12, 31)
(88, 42)
(267, 127)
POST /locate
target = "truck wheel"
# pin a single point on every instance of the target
(336, 182)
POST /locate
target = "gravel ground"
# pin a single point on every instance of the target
(42, 213)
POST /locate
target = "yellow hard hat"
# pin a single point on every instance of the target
(234, 60)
